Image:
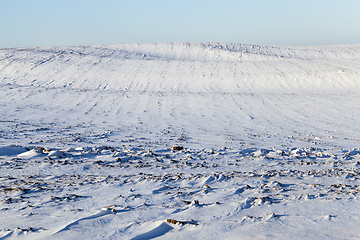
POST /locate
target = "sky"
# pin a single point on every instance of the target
(34, 23)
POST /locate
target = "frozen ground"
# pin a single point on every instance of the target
(268, 142)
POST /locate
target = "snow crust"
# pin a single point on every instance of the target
(180, 141)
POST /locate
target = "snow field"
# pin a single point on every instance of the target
(268, 142)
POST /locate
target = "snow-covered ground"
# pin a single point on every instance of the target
(180, 141)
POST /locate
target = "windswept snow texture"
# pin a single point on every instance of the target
(180, 141)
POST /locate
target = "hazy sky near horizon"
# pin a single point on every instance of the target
(31, 23)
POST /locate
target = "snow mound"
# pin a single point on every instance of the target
(12, 150)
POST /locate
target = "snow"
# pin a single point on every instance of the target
(180, 141)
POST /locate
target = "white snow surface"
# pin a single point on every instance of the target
(180, 141)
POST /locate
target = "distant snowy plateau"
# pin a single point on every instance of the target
(180, 141)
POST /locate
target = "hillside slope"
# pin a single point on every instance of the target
(220, 92)
(186, 67)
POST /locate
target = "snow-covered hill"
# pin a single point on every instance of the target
(186, 67)
(269, 136)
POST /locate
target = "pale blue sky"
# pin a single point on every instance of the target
(29, 23)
